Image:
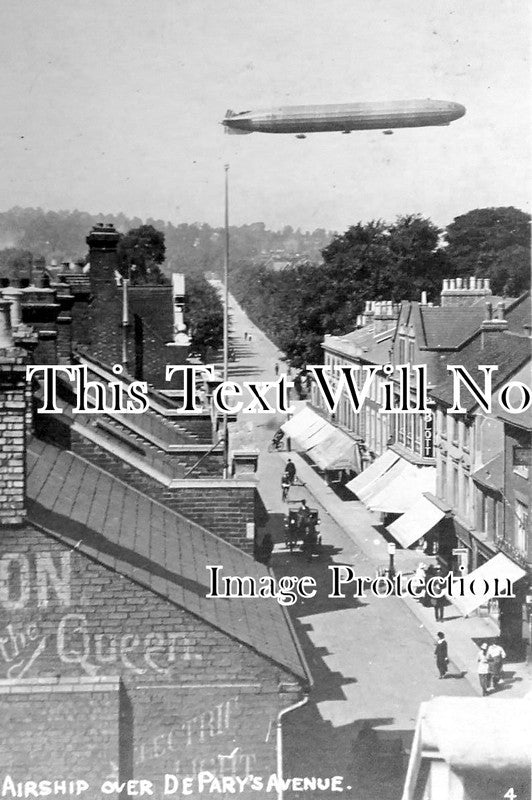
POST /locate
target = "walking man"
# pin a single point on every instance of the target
(285, 485)
(483, 668)
(442, 656)
(496, 656)
(439, 605)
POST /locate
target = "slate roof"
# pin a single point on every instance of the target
(519, 316)
(508, 351)
(138, 537)
(364, 344)
(448, 327)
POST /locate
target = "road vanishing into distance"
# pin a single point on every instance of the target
(371, 660)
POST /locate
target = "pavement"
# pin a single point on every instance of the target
(371, 659)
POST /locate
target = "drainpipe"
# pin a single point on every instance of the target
(125, 320)
(280, 715)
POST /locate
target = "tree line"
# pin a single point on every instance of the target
(382, 261)
(190, 247)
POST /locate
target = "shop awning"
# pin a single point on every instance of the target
(416, 522)
(337, 451)
(301, 427)
(362, 483)
(328, 446)
(501, 567)
(404, 488)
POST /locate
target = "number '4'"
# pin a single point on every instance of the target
(510, 795)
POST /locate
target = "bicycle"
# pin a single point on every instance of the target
(276, 444)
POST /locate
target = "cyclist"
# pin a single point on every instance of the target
(290, 470)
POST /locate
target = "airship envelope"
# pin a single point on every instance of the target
(344, 117)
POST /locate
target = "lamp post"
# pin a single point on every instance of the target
(226, 316)
(391, 565)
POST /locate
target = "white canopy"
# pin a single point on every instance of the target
(501, 567)
(362, 483)
(416, 522)
(404, 488)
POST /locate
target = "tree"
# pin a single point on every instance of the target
(371, 261)
(141, 252)
(492, 243)
(204, 315)
(16, 264)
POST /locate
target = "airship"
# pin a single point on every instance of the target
(344, 117)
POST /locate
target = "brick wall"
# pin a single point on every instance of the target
(41, 736)
(194, 697)
(224, 510)
(12, 435)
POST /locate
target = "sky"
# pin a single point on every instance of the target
(114, 106)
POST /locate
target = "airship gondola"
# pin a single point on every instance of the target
(344, 117)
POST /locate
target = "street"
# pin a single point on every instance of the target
(371, 660)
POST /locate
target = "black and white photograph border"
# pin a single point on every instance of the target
(265, 403)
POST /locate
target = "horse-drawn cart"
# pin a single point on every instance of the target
(302, 530)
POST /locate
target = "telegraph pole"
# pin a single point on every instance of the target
(226, 317)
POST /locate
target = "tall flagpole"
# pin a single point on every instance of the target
(226, 317)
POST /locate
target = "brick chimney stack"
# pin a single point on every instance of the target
(13, 395)
(385, 315)
(105, 314)
(495, 322)
(103, 241)
(464, 291)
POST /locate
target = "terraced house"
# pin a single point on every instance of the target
(113, 663)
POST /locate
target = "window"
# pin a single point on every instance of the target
(409, 426)
(497, 511)
(401, 426)
(411, 354)
(417, 433)
(444, 478)
(455, 487)
(451, 428)
(521, 512)
(485, 513)
(443, 423)
(467, 497)
(467, 436)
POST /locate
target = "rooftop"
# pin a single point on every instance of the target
(136, 536)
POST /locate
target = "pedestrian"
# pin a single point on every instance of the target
(245, 335)
(310, 540)
(441, 653)
(302, 518)
(438, 605)
(276, 369)
(265, 549)
(419, 580)
(290, 470)
(496, 656)
(285, 485)
(483, 668)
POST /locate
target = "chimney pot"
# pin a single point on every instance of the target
(489, 310)
(472, 283)
(423, 298)
(6, 335)
(459, 283)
